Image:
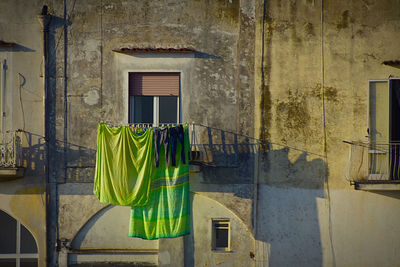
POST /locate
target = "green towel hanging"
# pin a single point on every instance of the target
(124, 166)
(168, 212)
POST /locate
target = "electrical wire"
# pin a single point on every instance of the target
(325, 150)
(101, 54)
(68, 19)
(262, 134)
(21, 84)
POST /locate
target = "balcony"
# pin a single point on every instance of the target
(10, 156)
(374, 166)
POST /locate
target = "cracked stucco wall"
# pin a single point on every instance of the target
(309, 214)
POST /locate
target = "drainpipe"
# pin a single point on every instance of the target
(65, 92)
(45, 21)
(3, 96)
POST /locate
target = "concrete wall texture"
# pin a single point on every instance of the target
(274, 87)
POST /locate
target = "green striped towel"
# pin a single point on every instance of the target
(167, 214)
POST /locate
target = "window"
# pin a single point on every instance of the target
(221, 235)
(154, 97)
(384, 129)
(17, 245)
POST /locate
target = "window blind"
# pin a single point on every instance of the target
(153, 84)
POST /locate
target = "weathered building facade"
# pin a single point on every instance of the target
(271, 89)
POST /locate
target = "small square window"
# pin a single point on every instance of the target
(221, 234)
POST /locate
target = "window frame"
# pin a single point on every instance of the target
(156, 110)
(214, 229)
(156, 102)
(376, 147)
(369, 101)
(18, 255)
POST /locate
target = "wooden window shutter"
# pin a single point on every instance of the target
(153, 84)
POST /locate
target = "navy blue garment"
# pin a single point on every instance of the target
(176, 134)
(161, 136)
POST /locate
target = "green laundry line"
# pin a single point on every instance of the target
(126, 175)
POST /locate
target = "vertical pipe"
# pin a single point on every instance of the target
(18, 252)
(46, 24)
(390, 158)
(50, 141)
(396, 146)
(260, 143)
(3, 95)
(65, 91)
(325, 150)
(14, 147)
(393, 169)
(101, 53)
(262, 134)
(397, 162)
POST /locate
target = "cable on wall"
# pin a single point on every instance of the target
(101, 53)
(262, 137)
(325, 150)
(21, 85)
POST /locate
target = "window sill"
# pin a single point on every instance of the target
(221, 251)
(7, 174)
(378, 185)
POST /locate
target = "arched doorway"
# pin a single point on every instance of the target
(17, 245)
(104, 241)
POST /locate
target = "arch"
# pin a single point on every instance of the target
(233, 213)
(104, 238)
(109, 228)
(80, 235)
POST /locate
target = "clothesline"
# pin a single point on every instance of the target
(153, 125)
(144, 125)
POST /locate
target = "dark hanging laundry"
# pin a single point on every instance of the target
(168, 137)
(177, 135)
(161, 136)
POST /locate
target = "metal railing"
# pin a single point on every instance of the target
(373, 162)
(10, 150)
(214, 149)
(209, 145)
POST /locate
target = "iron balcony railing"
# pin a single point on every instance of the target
(211, 146)
(10, 150)
(215, 147)
(212, 149)
(373, 162)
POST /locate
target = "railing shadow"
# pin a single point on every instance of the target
(81, 160)
(225, 157)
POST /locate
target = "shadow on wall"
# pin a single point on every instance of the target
(290, 191)
(225, 157)
(392, 194)
(16, 48)
(290, 185)
(31, 155)
(291, 205)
